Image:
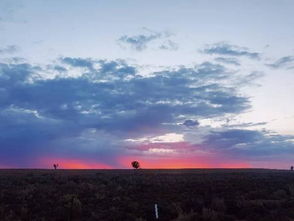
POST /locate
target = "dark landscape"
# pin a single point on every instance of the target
(182, 194)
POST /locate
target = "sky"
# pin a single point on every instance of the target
(172, 84)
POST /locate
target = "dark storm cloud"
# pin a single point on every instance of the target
(41, 115)
(284, 62)
(230, 50)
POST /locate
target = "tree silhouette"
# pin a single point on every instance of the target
(55, 166)
(292, 168)
(135, 164)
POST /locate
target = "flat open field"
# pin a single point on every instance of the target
(198, 194)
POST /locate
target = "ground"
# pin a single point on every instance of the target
(126, 195)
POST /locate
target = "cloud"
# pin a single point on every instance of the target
(250, 144)
(284, 62)
(78, 62)
(169, 45)
(102, 110)
(250, 79)
(233, 61)
(243, 125)
(101, 69)
(228, 139)
(142, 41)
(59, 68)
(10, 49)
(139, 42)
(223, 48)
(223, 147)
(191, 123)
(89, 108)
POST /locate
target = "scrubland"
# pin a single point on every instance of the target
(126, 195)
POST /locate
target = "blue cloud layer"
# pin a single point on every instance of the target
(86, 108)
(109, 96)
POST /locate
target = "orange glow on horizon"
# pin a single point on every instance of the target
(173, 163)
(146, 162)
(65, 163)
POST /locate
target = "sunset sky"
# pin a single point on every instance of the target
(172, 84)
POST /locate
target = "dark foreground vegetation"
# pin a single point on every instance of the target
(126, 195)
